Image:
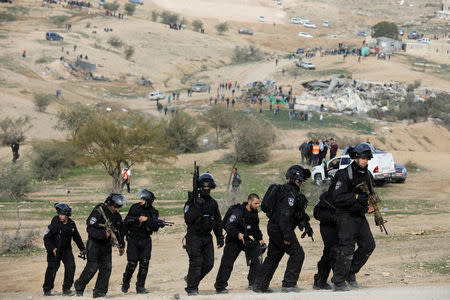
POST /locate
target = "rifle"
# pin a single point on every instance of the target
(373, 201)
(109, 228)
(164, 222)
(193, 196)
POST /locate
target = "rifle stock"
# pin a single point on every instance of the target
(373, 201)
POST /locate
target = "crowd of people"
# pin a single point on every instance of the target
(284, 204)
(314, 151)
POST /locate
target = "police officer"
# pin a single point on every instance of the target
(288, 213)
(99, 245)
(141, 221)
(58, 243)
(243, 234)
(235, 184)
(325, 213)
(352, 224)
(201, 216)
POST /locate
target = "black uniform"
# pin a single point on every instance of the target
(59, 236)
(235, 184)
(325, 213)
(352, 223)
(139, 242)
(288, 213)
(15, 150)
(201, 217)
(99, 250)
(246, 222)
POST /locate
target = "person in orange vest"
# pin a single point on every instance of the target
(315, 153)
(126, 174)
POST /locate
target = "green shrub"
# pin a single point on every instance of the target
(130, 8)
(155, 16)
(169, 18)
(50, 158)
(246, 54)
(385, 29)
(41, 102)
(115, 42)
(12, 130)
(197, 24)
(222, 27)
(184, 132)
(129, 51)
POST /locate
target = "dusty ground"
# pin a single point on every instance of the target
(415, 254)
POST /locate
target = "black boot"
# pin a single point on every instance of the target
(129, 270)
(68, 292)
(320, 283)
(48, 293)
(351, 279)
(142, 290)
(141, 277)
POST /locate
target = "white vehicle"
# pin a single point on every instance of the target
(305, 35)
(310, 25)
(296, 20)
(303, 20)
(136, 2)
(261, 18)
(424, 41)
(325, 24)
(381, 166)
(307, 65)
(156, 95)
(333, 36)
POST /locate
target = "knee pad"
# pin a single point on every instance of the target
(145, 262)
(131, 265)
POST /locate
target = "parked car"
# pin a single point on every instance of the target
(310, 25)
(413, 35)
(307, 65)
(300, 51)
(296, 20)
(305, 34)
(5, 1)
(424, 41)
(333, 36)
(200, 87)
(381, 166)
(362, 33)
(157, 95)
(53, 36)
(245, 31)
(400, 174)
(136, 2)
(261, 18)
(325, 24)
(401, 32)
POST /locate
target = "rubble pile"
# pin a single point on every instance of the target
(343, 94)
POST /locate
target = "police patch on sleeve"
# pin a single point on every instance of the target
(186, 208)
(291, 201)
(47, 231)
(92, 220)
(338, 185)
(232, 218)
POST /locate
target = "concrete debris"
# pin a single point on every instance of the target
(343, 94)
(259, 89)
(145, 81)
(83, 65)
(90, 76)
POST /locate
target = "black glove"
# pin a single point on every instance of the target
(220, 242)
(308, 231)
(83, 254)
(161, 223)
(263, 248)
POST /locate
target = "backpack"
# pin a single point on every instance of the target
(229, 213)
(270, 199)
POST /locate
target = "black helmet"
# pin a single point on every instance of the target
(63, 209)
(148, 196)
(116, 200)
(297, 172)
(362, 150)
(206, 180)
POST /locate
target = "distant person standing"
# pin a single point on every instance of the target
(333, 148)
(235, 184)
(24, 54)
(126, 174)
(315, 153)
(321, 119)
(304, 151)
(15, 150)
